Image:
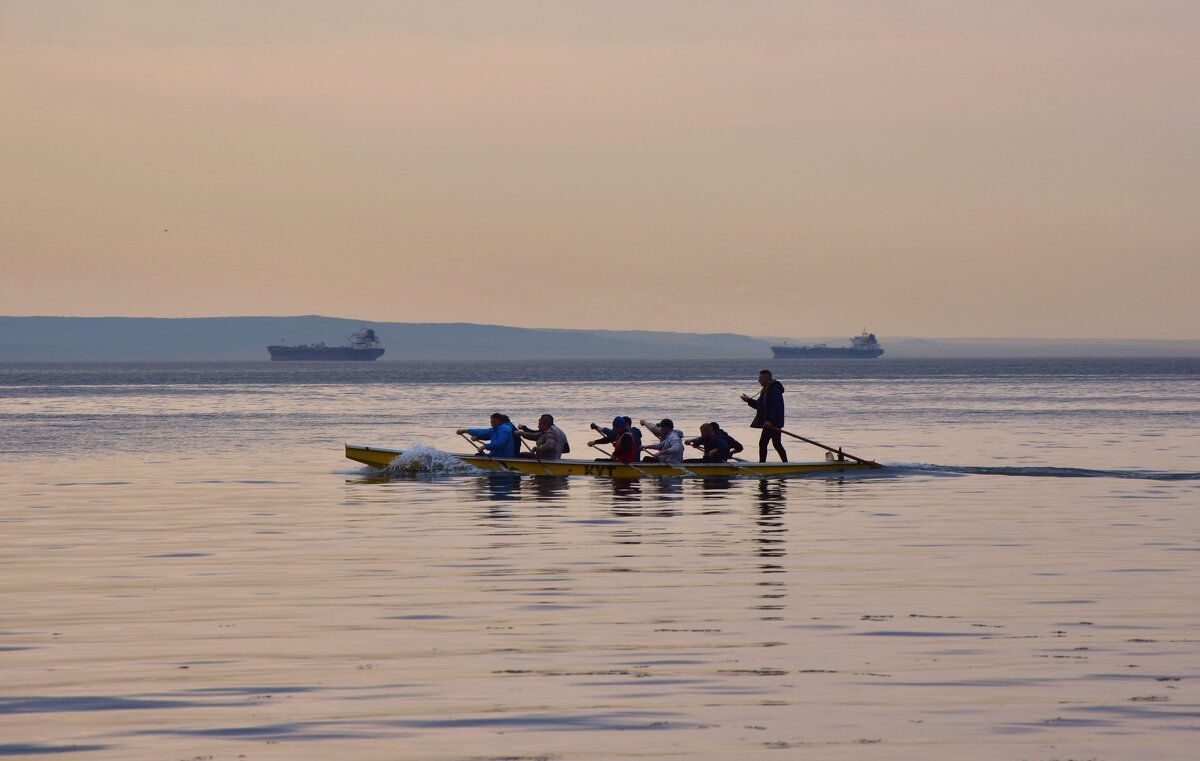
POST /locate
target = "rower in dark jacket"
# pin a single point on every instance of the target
(769, 416)
(609, 435)
(626, 447)
(735, 446)
(717, 445)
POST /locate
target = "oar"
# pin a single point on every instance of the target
(522, 440)
(869, 463)
(485, 453)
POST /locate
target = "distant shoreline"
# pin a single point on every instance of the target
(142, 339)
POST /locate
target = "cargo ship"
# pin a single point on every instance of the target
(861, 347)
(364, 347)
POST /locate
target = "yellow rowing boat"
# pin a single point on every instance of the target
(382, 457)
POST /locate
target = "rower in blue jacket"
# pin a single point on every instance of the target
(501, 439)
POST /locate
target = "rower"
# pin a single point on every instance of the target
(714, 442)
(500, 438)
(626, 447)
(551, 441)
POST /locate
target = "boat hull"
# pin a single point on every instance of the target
(323, 354)
(823, 352)
(382, 457)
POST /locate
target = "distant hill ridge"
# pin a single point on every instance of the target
(246, 338)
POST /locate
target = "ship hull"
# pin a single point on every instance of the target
(323, 354)
(381, 457)
(823, 352)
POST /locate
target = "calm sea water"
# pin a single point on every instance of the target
(192, 570)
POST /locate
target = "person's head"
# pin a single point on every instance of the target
(628, 421)
(545, 421)
(666, 425)
(715, 426)
(497, 419)
(706, 431)
(619, 423)
(764, 378)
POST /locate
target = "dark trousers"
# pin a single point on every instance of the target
(775, 436)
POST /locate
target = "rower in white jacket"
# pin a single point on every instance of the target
(670, 442)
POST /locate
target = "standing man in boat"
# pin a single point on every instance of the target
(626, 447)
(769, 415)
(501, 439)
(670, 442)
(551, 441)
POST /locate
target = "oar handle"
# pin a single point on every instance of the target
(522, 440)
(870, 463)
(598, 449)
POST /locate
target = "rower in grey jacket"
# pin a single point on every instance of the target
(551, 441)
(670, 442)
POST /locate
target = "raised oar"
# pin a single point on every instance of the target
(869, 463)
(485, 453)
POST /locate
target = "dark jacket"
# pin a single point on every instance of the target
(718, 447)
(769, 406)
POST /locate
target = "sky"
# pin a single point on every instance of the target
(922, 168)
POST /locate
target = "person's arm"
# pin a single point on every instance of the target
(546, 445)
(499, 439)
(652, 428)
(735, 446)
(481, 433)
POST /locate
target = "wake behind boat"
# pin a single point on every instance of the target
(383, 457)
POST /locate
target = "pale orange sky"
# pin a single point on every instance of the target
(966, 167)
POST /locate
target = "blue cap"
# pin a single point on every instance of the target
(619, 422)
